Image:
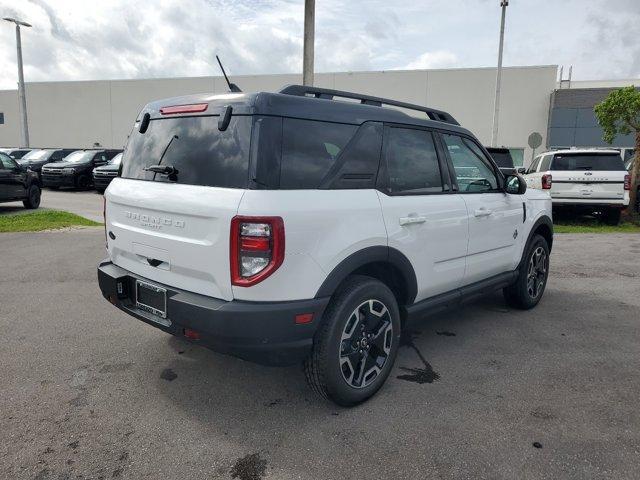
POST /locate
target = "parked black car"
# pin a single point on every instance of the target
(16, 153)
(76, 169)
(18, 183)
(103, 175)
(504, 160)
(36, 159)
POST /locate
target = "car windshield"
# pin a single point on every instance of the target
(79, 157)
(36, 155)
(587, 161)
(116, 160)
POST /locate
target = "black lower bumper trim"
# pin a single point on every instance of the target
(101, 183)
(58, 181)
(261, 332)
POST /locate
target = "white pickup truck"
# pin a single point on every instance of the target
(583, 181)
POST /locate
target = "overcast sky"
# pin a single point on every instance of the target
(109, 39)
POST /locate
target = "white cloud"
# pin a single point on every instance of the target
(81, 40)
(437, 59)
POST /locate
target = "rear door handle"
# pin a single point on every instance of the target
(482, 212)
(409, 220)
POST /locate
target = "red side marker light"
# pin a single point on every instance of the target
(304, 318)
(191, 334)
(193, 108)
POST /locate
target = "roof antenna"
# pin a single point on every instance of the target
(232, 86)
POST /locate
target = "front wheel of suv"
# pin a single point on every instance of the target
(356, 345)
(33, 197)
(528, 288)
(83, 182)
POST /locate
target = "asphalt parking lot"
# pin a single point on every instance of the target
(88, 392)
(86, 203)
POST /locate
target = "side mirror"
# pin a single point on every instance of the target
(515, 185)
(521, 170)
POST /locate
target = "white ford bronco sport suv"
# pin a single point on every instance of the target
(583, 181)
(293, 226)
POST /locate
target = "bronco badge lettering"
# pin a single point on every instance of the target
(154, 221)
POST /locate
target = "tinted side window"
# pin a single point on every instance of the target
(7, 162)
(473, 172)
(534, 165)
(309, 150)
(546, 161)
(412, 161)
(357, 166)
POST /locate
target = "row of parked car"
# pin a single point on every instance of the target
(69, 167)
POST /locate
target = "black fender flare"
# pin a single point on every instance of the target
(543, 220)
(371, 255)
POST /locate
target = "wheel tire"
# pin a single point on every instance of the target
(82, 183)
(328, 365)
(33, 197)
(611, 216)
(522, 294)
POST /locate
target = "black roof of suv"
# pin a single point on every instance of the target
(310, 103)
(298, 138)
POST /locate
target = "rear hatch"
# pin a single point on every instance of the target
(173, 227)
(590, 175)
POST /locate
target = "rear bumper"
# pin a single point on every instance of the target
(590, 202)
(261, 332)
(58, 180)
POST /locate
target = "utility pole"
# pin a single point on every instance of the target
(496, 110)
(21, 93)
(309, 40)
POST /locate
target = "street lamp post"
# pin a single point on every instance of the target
(309, 40)
(496, 107)
(21, 94)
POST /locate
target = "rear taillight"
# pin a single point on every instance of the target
(257, 248)
(627, 182)
(546, 181)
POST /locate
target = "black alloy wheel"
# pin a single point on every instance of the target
(366, 343)
(537, 272)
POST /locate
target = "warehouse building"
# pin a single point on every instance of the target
(86, 113)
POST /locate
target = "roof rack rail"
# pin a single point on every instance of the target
(329, 94)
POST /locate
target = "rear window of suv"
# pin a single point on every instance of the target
(201, 154)
(587, 161)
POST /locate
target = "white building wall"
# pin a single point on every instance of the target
(79, 114)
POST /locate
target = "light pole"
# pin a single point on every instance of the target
(309, 39)
(21, 94)
(496, 106)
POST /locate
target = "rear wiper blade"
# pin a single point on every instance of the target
(150, 167)
(162, 169)
(584, 168)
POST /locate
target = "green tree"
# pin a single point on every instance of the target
(619, 114)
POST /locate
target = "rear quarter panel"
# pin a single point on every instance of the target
(322, 228)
